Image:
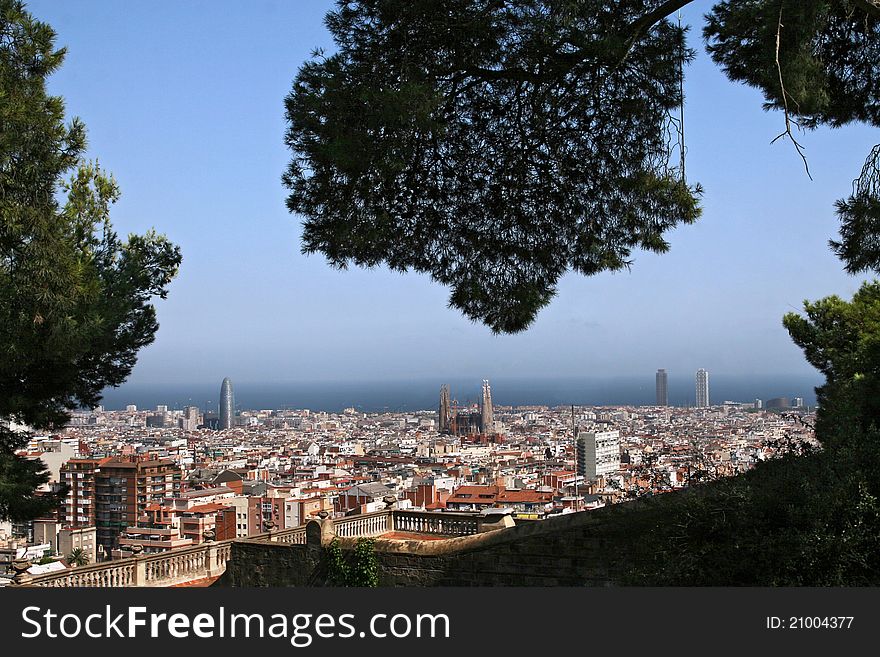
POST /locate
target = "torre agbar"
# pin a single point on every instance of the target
(227, 404)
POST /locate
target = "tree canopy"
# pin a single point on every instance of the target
(841, 339)
(497, 144)
(75, 299)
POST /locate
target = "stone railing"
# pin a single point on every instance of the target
(185, 564)
(366, 525)
(295, 536)
(443, 524)
(164, 569)
(119, 573)
(208, 560)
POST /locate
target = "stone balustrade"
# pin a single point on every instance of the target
(208, 560)
(164, 569)
(118, 573)
(443, 524)
(295, 536)
(366, 525)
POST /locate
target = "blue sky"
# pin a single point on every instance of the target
(184, 104)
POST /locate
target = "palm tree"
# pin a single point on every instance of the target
(78, 557)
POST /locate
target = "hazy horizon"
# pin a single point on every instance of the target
(423, 393)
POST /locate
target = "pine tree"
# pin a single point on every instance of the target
(841, 339)
(497, 145)
(74, 297)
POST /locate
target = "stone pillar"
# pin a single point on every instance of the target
(139, 577)
(390, 507)
(269, 526)
(22, 576)
(211, 566)
(320, 533)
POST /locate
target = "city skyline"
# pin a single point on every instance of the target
(421, 394)
(176, 102)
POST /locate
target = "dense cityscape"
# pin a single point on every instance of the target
(142, 481)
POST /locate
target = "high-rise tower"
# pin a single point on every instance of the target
(662, 388)
(227, 404)
(487, 416)
(190, 419)
(702, 388)
(445, 408)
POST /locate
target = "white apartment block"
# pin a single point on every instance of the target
(602, 453)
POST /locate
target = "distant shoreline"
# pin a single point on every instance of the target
(422, 394)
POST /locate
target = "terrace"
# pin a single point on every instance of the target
(205, 563)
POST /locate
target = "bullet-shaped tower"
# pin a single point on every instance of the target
(227, 404)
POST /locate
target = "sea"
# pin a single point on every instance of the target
(409, 395)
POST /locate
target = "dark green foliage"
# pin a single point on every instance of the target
(361, 569)
(19, 478)
(337, 568)
(491, 145)
(859, 245)
(365, 570)
(842, 340)
(829, 54)
(74, 298)
(801, 520)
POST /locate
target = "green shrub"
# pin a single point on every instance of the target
(360, 569)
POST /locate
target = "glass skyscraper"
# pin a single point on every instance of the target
(662, 388)
(702, 387)
(227, 404)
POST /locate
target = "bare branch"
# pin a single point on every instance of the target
(788, 120)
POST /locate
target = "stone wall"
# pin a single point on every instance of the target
(594, 548)
(254, 563)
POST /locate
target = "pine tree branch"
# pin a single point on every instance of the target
(565, 61)
(631, 34)
(870, 6)
(639, 26)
